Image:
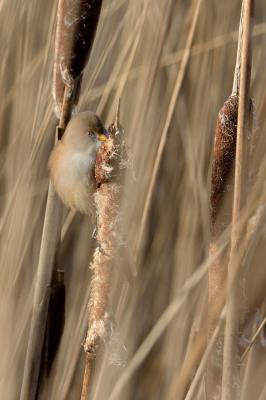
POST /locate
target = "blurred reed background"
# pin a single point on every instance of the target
(137, 54)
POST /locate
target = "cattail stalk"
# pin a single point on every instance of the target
(223, 193)
(230, 360)
(196, 354)
(45, 272)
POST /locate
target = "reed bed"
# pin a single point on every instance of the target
(172, 63)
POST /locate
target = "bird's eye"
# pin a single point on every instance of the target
(90, 134)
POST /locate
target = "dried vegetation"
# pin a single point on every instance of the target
(173, 65)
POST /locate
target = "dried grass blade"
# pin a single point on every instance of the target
(176, 91)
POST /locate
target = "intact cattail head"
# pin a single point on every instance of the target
(224, 159)
(76, 29)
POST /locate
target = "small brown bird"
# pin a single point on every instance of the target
(72, 161)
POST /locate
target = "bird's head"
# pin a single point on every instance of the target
(85, 133)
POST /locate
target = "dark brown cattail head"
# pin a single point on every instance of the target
(76, 29)
(223, 163)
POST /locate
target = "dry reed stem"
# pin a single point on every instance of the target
(34, 350)
(164, 61)
(53, 334)
(208, 46)
(127, 55)
(161, 325)
(46, 266)
(100, 89)
(214, 336)
(222, 186)
(172, 105)
(121, 14)
(197, 352)
(263, 393)
(205, 357)
(150, 72)
(22, 174)
(230, 354)
(236, 83)
(41, 88)
(87, 375)
(221, 200)
(117, 115)
(253, 339)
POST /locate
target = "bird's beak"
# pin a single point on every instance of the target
(103, 136)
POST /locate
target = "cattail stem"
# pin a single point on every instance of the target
(47, 263)
(230, 363)
(87, 375)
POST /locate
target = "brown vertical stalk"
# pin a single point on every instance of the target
(236, 82)
(53, 333)
(87, 376)
(231, 360)
(49, 245)
(222, 192)
(253, 302)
